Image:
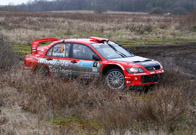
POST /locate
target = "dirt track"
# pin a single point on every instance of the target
(180, 57)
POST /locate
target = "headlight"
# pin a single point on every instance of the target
(135, 70)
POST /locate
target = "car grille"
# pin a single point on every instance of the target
(152, 68)
(150, 78)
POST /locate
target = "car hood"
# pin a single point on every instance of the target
(134, 59)
(146, 62)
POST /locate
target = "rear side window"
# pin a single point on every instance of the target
(59, 50)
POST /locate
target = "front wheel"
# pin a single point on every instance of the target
(115, 79)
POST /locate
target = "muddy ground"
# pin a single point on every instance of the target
(179, 57)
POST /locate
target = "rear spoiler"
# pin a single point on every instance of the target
(98, 39)
(35, 44)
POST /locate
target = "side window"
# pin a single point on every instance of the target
(82, 52)
(59, 50)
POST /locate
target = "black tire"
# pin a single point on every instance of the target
(41, 70)
(115, 79)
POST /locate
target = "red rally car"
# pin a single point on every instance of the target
(93, 58)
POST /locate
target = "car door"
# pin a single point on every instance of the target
(83, 64)
(58, 61)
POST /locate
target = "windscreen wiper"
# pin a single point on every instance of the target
(127, 50)
(120, 53)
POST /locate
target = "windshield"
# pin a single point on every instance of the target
(111, 50)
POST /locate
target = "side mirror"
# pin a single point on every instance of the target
(96, 58)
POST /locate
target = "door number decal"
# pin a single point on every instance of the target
(95, 64)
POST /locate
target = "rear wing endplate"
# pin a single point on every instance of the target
(35, 44)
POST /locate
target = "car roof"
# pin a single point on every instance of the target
(82, 40)
(87, 40)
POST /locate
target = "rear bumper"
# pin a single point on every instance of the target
(136, 79)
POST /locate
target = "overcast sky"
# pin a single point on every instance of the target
(13, 2)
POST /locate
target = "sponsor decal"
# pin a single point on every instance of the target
(87, 64)
(94, 69)
(58, 54)
(53, 62)
(152, 73)
(61, 70)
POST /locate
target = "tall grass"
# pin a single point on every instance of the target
(22, 28)
(8, 58)
(188, 22)
(169, 107)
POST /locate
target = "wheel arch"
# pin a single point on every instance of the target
(110, 69)
(111, 66)
(41, 65)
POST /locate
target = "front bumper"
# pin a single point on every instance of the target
(148, 78)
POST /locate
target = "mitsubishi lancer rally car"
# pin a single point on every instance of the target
(93, 58)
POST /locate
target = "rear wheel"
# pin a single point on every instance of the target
(115, 79)
(42, 70)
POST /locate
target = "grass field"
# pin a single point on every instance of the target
(35, 105)
(22, 28)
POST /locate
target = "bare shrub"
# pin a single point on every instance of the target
(188, 22)
(156, 10)
(53, 94)
(100, 9)
(8, 58)
(179, 11)
(166, 108)
(50, 98)
(10, 8)
(20, 26)
(145, 29)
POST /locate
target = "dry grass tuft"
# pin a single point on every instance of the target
(188, 22)
(92, 109)
(167, 107)
(8, 58)
(23, 27)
